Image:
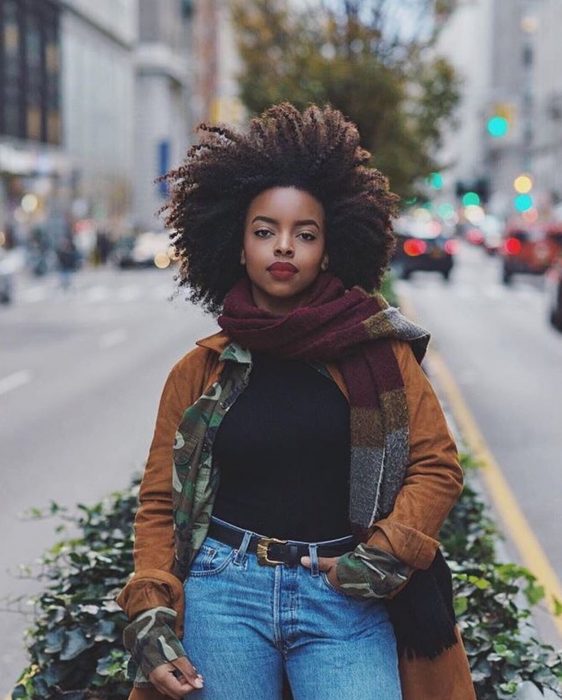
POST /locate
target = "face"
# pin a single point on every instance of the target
(284, 247)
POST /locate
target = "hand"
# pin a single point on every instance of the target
(176, 679)
(327, 564)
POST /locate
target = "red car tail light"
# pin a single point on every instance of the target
(512, 246)
(451, 247)
(414, 246)
(475, 236)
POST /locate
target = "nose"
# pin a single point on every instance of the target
(284, 246)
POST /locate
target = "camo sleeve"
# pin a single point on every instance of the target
(151, 641)
(370, 572)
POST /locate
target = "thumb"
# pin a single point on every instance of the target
(188, 671)
(305, 561)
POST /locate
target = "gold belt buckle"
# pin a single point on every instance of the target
(263, 544)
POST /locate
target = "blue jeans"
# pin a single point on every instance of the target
(245, 623)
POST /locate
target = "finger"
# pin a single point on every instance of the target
(188, 671)
(324, 563)
(163, 678)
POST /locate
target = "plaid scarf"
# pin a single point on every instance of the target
(353, 328)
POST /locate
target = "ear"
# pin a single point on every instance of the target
(242, 258)
(324, 263)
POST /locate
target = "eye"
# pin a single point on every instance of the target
(262, 233)
(307, 236)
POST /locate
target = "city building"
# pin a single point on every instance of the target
(66, 110)
(510, 115)
(163, 120)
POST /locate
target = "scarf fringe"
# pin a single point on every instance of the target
(422, 613)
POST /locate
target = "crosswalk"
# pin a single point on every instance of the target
(93, 293)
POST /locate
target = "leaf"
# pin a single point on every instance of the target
(54, 640)
(75, 643)
(461, 605)
(534, 593)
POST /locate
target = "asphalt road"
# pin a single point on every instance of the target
(507, 361)
(80, 380)
(81, 375)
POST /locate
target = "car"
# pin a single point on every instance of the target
(147, 249)
(422, 246)
(553, 287)
(529, 249)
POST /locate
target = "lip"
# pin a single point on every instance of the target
(282, 267)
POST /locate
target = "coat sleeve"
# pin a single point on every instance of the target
(434, 477)
(153, 584)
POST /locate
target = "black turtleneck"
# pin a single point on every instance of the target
(283, 451)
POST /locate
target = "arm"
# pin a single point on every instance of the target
(153, 597)
(407, 538)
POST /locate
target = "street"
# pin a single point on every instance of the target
(81, 375)
(80, 379)
(506, 359)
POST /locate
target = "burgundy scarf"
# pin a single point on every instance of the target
(354, 329)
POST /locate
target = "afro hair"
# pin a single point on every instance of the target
(316, 150)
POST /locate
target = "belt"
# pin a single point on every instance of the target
(270, 550)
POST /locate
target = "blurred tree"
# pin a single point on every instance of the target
(372, 59)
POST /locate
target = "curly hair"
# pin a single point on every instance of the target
(317, 151)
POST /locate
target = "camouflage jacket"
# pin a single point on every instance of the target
(150, 637)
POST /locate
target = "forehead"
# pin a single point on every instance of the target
(286, 203)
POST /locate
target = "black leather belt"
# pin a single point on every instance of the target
(271, 551)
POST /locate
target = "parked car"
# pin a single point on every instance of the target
(148, 249)
(422, 246)
(553, 279)
(530, 249)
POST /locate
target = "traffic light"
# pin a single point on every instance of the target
(501, 119)
(470, 190)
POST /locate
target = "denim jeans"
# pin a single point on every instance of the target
(245, 623)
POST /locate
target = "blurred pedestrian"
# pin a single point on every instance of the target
(301, 466)
(67, 257)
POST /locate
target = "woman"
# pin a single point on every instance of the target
(301, 466)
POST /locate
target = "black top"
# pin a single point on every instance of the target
(283, 450)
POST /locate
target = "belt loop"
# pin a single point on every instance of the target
(241, 553)
(313, 551)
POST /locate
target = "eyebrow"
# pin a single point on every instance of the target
(302, 222)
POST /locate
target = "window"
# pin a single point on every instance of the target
(29, 70)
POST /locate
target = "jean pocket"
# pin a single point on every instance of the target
(211, 559)
(328, 584)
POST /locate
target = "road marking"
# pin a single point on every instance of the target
(524, 540)
(96, 293)
(33, 294)
(128, 293)
(109, 340)
(15, 380)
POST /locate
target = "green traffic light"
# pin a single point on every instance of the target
(470, 199)
(497, 126)
(436, 181)
(523, 202)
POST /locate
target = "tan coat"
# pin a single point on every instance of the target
(431, 487)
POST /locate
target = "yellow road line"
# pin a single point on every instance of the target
(531, 553)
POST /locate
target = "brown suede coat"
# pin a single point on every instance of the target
(431, 487)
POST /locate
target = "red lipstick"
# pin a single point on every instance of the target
(282, 270)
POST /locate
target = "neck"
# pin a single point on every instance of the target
(279, 306)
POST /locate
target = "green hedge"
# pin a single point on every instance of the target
(75, 644)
